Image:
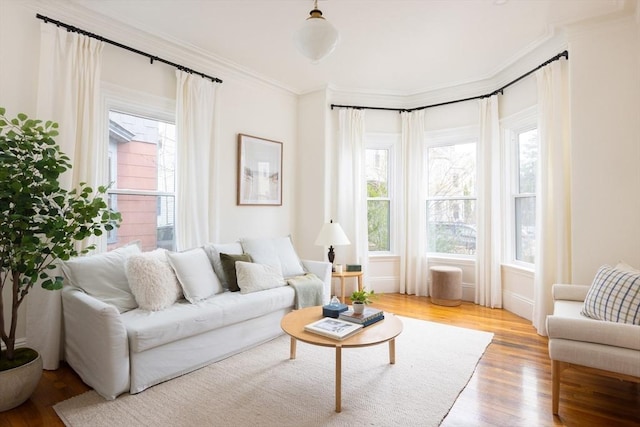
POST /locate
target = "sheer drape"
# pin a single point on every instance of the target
(488, 255)
(413, 216)
(195, 179)
(351, 200)
(68, 93)
(553, 201)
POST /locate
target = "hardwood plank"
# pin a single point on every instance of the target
(511, 385)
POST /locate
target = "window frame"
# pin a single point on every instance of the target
(390, 142)
(513, 126)
(442, 138)
(135, 103)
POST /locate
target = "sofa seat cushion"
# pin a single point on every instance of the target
(567, 323)
(147, 330)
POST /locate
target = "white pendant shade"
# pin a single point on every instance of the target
(316, 38)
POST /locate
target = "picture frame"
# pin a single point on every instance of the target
(259, 171)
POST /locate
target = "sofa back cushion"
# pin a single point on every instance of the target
(214, 250)
(103, 276)
(195, 274)
(614, 296)
(277, 252)
(152, 280)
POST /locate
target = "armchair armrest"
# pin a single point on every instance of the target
(322, 269)
(570, 292)
(594, 331)
(96, 343)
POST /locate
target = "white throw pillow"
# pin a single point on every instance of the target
(103, 276)
(254, 277)
(195, 274)
(152, 280)
(614, 296)
(214, 250)
(277, 252)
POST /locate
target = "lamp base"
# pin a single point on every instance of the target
(332, 256)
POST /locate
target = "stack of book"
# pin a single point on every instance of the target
(369, 316)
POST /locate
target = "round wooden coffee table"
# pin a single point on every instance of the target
(383, 331)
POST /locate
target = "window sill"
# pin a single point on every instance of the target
(519, 269)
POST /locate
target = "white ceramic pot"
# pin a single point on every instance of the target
(18, 384)
(358, 307)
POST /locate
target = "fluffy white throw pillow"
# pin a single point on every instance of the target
(257, 277)
(152, 280)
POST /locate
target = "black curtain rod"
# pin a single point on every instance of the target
(152, 58)
(564, 54)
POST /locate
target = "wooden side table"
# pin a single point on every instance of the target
(343, 276)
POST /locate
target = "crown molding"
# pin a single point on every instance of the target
(152, 42)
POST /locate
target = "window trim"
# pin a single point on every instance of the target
(513, 126)
(391, 142)
(131, 102)
(441, 138)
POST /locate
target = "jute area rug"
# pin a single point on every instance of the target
(262, 387)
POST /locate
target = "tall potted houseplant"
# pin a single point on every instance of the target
(39, 223)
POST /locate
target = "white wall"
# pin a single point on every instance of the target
(246, 105)
(605, 107)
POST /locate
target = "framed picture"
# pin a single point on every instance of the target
(259, 171)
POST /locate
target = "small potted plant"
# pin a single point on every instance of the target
(360, 298)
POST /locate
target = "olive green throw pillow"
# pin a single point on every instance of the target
(229, 267)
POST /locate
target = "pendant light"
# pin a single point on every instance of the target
(316, 38)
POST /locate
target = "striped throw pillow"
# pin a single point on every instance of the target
(614, 296)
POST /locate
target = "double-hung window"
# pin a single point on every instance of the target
(524, 145)
(451, 194)
(142, 169)
(379, 171)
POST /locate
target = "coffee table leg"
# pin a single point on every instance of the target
(338, 378)
(292, 352)
(392, 351)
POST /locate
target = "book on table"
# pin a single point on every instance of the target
(368, 316)
(333, 328)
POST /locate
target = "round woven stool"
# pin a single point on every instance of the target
(446, 285)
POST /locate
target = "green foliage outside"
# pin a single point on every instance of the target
(378, 217)
(39, 221)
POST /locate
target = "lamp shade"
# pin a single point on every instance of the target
(332, 234)
(316, 37)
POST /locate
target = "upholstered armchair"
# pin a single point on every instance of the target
(601, 347)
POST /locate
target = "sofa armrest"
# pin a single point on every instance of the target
(96, 343)
(569, 292)
(322, 269)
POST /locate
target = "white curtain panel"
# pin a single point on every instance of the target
(68, 93)
(195, 180)
(488, 237)
(413, 216)
(351, 197)
(553, 199)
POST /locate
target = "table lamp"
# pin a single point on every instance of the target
(332, 235)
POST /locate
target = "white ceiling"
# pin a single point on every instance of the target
(399, 47)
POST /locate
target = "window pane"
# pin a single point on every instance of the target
(378, 212)
(452, 170)
(142, 157)
(377, 165)
(525, 229)
(451, 226)
(527, 161)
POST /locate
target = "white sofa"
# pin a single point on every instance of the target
(117, 351)
(601, 347)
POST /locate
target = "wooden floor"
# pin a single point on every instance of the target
(511, 385)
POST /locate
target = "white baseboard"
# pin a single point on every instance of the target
(20, 342)
(517, 304)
